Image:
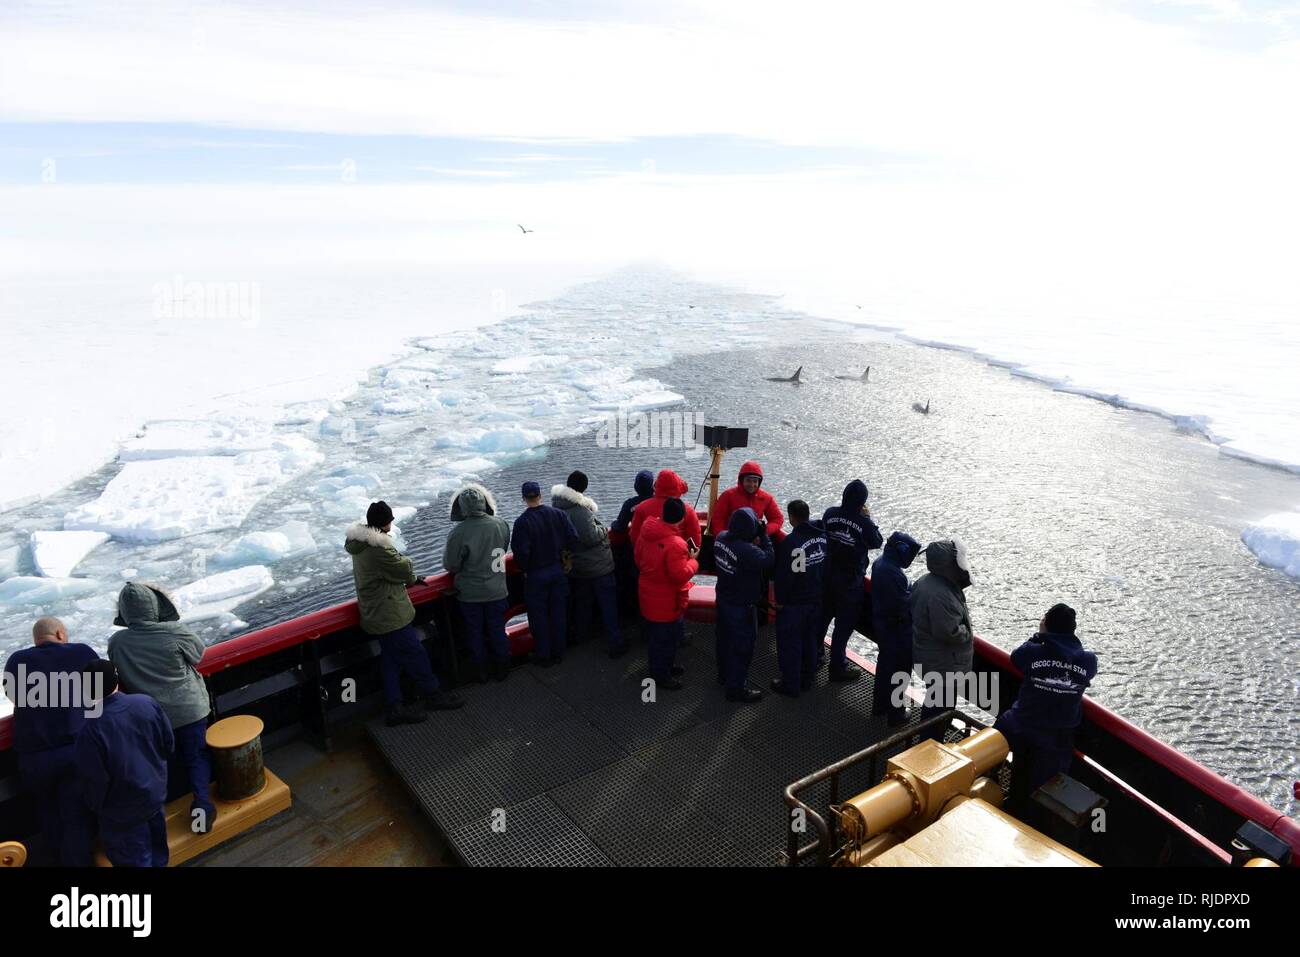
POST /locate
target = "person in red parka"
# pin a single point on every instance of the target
(668, 484)
(746, 493)
(666, 564)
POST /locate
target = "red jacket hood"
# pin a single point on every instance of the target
(668, 484)
(750, 468)
(655, 529)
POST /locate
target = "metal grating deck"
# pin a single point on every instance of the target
(567, 766)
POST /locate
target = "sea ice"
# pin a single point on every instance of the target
(9, 559)
(160, 499)
(1275, 540)
(56, 554)
(221, 593)
(291, 540)
(32, 590)
(517, 365)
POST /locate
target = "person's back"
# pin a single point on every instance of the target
(542, 533)
(740, 562)
(941, 630)
(543, 537)
(666, 569)
(476, 547)
(891, 625)
(592, 558)
(799, 567)
(1039, 726)
(35, 681)
(156, 655)
(1057, 671)
(381, 574)
(668, 484)
(850, 534)
(644, 486)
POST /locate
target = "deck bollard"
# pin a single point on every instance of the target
(236, 746)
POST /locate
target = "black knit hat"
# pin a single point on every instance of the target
(1060, 620)
(99, 678)
(577, 481)
(378, 515)
(674, 510)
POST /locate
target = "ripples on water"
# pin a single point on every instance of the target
(1058, 497)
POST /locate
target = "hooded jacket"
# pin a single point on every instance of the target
(891, 608)
(666, 571)
(1057, 672)
(592, 558)
(156, 655)
(740, 563)
(477, 546)
(762, 503)
(800, 580)
(941, 630)
(850, 535)
(644, 486)
(667, 485)
(381, 574)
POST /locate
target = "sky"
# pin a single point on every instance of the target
(901, 136)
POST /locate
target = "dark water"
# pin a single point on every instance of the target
(1058, 497)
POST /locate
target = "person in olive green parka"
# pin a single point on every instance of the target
(381, 574)
(476, 555)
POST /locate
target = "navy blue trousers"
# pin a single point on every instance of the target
(738, 631)
(590, 595)
(189, 770)
(68, 825)
(662, 638)
(485, 623)
(400, 651)
(894, 658)
(800, 630)
(135, 845)
(844, 604)
(1040, 753)
(546, 593)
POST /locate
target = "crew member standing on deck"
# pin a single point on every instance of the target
(45, 725)
(158, 656)
(1040, 725)
(747, 493)
(592, 577)
(544, 542)
(891, 626)
(667, 564)
(121, 758)
(942, 639)
(850, 534)
(798, 573)
(476, 555)
(624, 557)
(668, 484)
(382, 574)
(742, 554)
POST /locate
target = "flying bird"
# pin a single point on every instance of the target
(525, 231)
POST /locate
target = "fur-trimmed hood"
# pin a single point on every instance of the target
(361, 535)
(477, 501)
(562, 495)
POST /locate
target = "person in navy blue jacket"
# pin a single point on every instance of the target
(798, 577)
(891, 625)
(122, 759)
(741, 555)
(541, 538)
(44, 683)
(1040, 724)
(850, 534)
(625, 570)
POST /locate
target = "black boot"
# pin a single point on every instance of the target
(777, 685)
(745, 696)
(850, 672)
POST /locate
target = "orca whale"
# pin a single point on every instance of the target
(793, 378)
(923, 409)
(857, 378)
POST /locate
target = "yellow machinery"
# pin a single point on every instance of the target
(934, 808)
